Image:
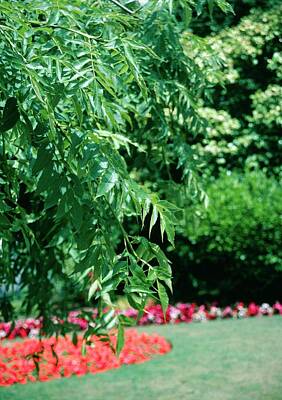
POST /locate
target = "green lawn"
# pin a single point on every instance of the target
(220, 360)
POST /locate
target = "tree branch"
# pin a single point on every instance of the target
(117, 3)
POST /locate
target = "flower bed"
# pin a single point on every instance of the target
(153, 314)
(19, 361)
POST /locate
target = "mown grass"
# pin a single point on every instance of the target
(220, 360)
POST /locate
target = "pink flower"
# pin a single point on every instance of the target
(277, 307)
(227, 312)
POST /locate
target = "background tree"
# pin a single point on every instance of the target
(235, 243)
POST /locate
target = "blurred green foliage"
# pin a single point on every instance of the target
(234, 245)
(249, 91)
(232, 248)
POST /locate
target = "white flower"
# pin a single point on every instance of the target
(33, 333)
(174, 313)
(266, 309)
(2, 334)
(242, 312)
(199, 316)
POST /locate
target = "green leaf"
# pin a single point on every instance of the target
(120, 338)
(138, 289)
(134, 301)
(211, 7)
(10, 116)
(108, 181)
(225, 6)
(187, 16)
(127, 321)
(76, 213)
(93, 288)
(85, 236)
(91, 259)
(47, 179)
(153, 220)
(168, 227)
(138, 273)
(74, 338)
(163, 297)
(4, 221)
(83, 348)
(43, 159)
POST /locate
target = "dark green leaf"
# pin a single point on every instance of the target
(10, 116)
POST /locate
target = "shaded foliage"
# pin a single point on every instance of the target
(233, 246)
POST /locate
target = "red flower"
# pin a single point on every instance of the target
(18, 360)
(253, 310)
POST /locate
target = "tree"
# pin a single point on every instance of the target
(245, 111)
(82, 85)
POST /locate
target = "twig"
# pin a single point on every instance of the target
(117, 3)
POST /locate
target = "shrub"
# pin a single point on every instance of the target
(233, 245)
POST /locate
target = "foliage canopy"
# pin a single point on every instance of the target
(87, 88)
